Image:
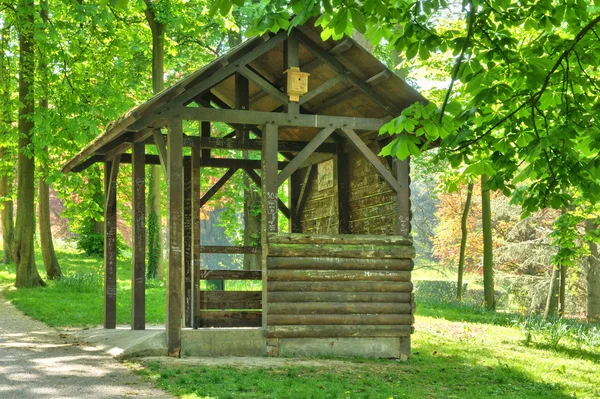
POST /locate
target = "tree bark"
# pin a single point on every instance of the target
(593, 276)
(155, 239)
(6, 156)
(23, 251)
(552, 297)
(6, 213)
(488, 261)
(48, 254)
(463, 242)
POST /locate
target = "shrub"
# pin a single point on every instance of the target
(436, 291)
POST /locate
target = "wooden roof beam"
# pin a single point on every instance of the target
(342, 70)
(281, 119)
(308, 67)
(348, 94)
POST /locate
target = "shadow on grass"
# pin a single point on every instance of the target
(455, 311)
(572, 353)
(424, 376)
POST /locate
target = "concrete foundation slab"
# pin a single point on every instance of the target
(123, 343)
(388, 347)
(223, 342)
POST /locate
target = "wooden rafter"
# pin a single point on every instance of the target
(257, 180)
(217, 186)
(303, 155)
(263, 84)
(214, 79)
(341, 69)
(357, 142)
(348, 94)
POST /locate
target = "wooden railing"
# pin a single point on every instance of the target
(230, 308)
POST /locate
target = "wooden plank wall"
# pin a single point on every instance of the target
(372, 202)
(339, 286)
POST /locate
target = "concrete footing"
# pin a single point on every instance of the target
(243, 342)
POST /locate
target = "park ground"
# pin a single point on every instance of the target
(458, 351)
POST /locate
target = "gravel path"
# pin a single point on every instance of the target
(37, 361)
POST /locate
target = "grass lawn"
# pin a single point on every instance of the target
(458, 351)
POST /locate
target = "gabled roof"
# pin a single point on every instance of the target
(345, 80)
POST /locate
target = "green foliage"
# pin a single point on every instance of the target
(553, 330)
(436, 291)
(92, 243)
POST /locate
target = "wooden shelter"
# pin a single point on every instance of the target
(343, 274)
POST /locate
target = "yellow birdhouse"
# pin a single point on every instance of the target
(297, 83)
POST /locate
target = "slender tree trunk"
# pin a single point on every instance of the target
(552, 297)
(593, 276)
(251, 222)
(48, 254)
(23, 252)
(155, 241)
(562, 291)
(6, 213)
(488, 261)
(463, 242)
(6, 156)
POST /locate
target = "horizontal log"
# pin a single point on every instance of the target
(345, 286)
(230, 275)
(341, 319)
(222, 249)
(338, 331)
(338, 275)
(339, 297)
(350, 239)
(230, 319)
(327, 263)
(339, 308)
(230, 300)
(343, 251)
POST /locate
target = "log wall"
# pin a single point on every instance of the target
(339, 286)
(372, 202)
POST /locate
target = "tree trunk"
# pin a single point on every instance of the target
(562, 291)
(593, 276)
(463, 242)
(6, 213)
(6, 156)
(155, 241)
(552, 297)
(48, 254)
(23, 252)
(488, 261)
(251, 222)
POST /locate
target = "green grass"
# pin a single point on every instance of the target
(459, 351)
(450, 360)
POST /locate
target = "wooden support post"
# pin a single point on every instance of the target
(403, 227)
(187, 242)
(242, 95)
(196, 153)
(269, 202)
(343, 192)
(111, 171)
(291, 59)
(205, 132)
(294, 195)
(175, 237)
(138, 258)
(403, 197)
(160, 146)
